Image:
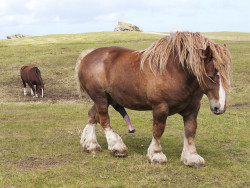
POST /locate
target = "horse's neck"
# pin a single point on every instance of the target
(187, 80)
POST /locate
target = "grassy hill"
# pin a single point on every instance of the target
(39, 138)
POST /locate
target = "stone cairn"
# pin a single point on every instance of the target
(18, 35)
(122, 26)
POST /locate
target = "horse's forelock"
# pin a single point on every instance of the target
(222, 61)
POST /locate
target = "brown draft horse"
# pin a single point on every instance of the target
(169, 77)
(32, 76)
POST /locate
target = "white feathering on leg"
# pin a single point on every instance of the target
(24, 91)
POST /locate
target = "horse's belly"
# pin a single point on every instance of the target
(140, 107)
(130, 100)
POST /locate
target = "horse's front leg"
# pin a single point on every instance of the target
(154, 153)
(189, 154)
(32, 90)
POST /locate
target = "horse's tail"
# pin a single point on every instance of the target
(80, 89)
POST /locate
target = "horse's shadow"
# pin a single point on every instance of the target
(171, 146)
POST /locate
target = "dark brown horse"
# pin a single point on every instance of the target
(32, 76)
(169, 77)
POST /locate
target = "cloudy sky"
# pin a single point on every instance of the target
(42, 17)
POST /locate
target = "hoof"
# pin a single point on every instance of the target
(117, 153)
(90, 147)
(194, 161)
(158, 158)
(94, 150)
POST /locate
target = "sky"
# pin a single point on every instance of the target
(43, 17)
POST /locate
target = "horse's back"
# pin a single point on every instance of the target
(29, 73)
(100, 62)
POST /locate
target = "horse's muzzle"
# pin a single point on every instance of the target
(216, 109)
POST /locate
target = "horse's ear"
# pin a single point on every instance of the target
(208, 54)
(225, 45)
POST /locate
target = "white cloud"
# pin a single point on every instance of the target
(101, 15)
(32, 5)
(108, 17)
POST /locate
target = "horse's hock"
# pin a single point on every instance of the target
(122, 26)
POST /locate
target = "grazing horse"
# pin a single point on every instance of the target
(32, 76)
(169, 77)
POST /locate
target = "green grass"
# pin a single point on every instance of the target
(235, 36)
(39, 138)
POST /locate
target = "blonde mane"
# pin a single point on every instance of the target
(190, 49)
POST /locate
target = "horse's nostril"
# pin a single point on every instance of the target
(216, 109)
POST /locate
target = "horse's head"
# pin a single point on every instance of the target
(213, 84)
(40, 90)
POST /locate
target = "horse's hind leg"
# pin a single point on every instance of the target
(88, 137)
(24, 88)
(99, 113)
(115, 143)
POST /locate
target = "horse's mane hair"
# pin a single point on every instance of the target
(38, 73)
(190, 49)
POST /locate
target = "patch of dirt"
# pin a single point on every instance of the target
(240, 104)
(34, 162)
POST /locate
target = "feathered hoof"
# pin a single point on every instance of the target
(158, 158)
(94, 150)
(117, 153)
(194, 160)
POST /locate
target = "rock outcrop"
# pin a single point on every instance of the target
(122, 26)
(18, 35)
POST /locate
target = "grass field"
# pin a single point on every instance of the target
(39, 138)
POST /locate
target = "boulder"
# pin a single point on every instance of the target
(122, 26)
(18, 35)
